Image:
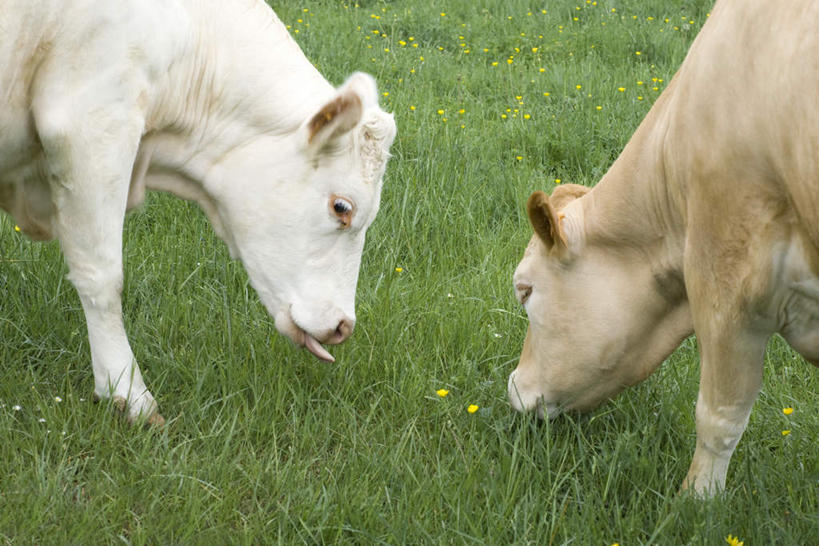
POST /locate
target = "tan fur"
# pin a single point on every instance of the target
(708, 222)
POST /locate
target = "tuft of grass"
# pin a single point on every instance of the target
(265, 444)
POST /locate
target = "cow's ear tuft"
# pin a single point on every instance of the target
(546, 222)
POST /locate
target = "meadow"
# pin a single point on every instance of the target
(265, 444)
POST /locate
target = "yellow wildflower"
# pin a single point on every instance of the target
(785, 432)
(472, 408)
(442, 392)
(734, 541)
(787, 411)
(17, 228)
(399, 269)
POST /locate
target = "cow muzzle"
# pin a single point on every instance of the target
(525, 400)
(312, 339)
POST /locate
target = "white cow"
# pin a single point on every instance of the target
(214, 102)
(708, 222)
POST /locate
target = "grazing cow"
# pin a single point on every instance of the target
(708, 222)
(213, 102)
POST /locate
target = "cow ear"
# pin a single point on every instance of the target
(343, 112)
(335, 118)
(546, 223)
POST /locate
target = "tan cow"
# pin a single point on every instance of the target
(708, 222)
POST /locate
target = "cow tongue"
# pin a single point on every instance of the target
(315, 347)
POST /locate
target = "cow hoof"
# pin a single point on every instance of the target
(155, 420)
(121, 405)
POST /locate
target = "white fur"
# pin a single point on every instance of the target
(210, 101)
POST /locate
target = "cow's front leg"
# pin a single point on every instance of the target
(731, 362)
(90, 232)
(89, 161)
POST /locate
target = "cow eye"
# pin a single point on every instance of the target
(341, 206)
(522, 292)
(343, 209)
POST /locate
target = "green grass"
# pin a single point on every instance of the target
(266, 444)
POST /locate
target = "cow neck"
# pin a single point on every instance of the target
(635, 205)
(237, 74)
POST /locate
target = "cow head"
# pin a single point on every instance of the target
(298, 218)
(601, 314)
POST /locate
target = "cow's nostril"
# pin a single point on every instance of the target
(343, 330)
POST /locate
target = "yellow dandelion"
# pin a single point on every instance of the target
(557, 181)
(472, 408)
(638, 52)
(412, 108)
(578, 86)
(461, 111)
(734, 541)
(787, 411)
(442, 392)
(599, 107)
(534, 50)
(785, 432)
(440, 112)
(494, 63)
(519, 157)
(17, 228)
(399, 269)
(503, 116)
(509, 61)
(621, 89)
(443, 14)
(546, 93)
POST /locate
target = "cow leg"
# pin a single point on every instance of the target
(89, 160)
(731, 361)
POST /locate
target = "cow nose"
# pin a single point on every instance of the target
(343, 331)
(522, 291)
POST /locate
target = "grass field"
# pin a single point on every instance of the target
(266, 444)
